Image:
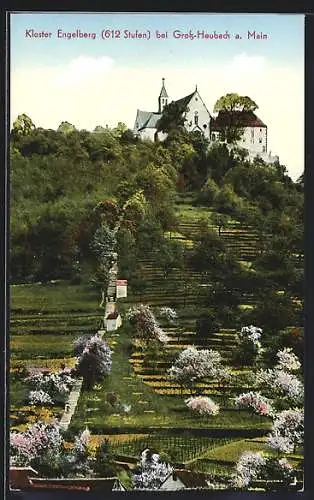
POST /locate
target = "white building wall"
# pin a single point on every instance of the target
(149, 134)
(197, 108)
(254, 139)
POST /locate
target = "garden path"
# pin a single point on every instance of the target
(76, 390)
(71, 404)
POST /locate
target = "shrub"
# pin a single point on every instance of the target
(152, 472)
(203, 406)
(147, 327)
(193, 365)
(207, 325)
(95, 361)
(254, 401)
(249, 347)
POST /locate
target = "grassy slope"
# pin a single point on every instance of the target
(49, 316)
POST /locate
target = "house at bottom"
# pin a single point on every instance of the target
(182, 479)
(26, 478)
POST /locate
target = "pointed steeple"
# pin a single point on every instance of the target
(163, 97)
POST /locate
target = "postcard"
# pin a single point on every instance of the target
(156, 252)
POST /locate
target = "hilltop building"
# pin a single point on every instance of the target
(197, 117)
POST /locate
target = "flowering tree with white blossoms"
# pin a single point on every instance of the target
(42, 447)
(284, 387)
(288, 361)
(39, 446)
(253, 466)
(77, 462)
(169, 314)
(249, 346)
(152, 473)
(147, 327)
(95, 361)
(287, 430)
(39, 398)
(254, 401)
(193, 365)
(248, 467)
(49, 387)
(203, 406)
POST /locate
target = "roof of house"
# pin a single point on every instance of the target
(113, 315)
(189, 478)
(245, 119)
(19, 477)
(86, 484)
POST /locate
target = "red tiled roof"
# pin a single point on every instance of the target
(243, 118)
(67, 487)
(113, 315)
(19, 477)
(85, 484)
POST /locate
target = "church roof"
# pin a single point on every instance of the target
(141, 118)
(244, 118)
(163, 92)
(153, 119)
(184, 101)
(146, 119)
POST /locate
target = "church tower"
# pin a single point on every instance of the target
(163, 98)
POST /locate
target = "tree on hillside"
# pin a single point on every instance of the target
(208, 192)
(66, 128)
(95, 361)
(232, 109)
(22, 126)
(235, 102)
(227, 201)
(220, 161)
(146, 326)
(192, 366)
(171, 118)
(220, 221)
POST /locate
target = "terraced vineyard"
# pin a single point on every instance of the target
(45, 319)
(151, 410)
(158, 417)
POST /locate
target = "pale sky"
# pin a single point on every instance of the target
(101, 81)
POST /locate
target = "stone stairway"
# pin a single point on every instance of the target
(71, 404)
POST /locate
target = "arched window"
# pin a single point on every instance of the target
(196, 117)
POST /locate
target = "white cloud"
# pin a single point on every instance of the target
(83, 68)
(92, 91)
(243, 63)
